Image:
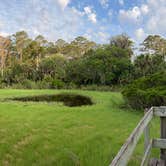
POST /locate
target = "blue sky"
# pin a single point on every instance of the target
(97, 20)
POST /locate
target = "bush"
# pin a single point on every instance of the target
(28, 84)
(147, 91)
(17, 86)
(25, 84)
(71, 85)
(43, 84)
(57, 84)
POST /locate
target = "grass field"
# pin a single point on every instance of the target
(53, 134)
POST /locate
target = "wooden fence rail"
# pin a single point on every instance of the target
(124, 154)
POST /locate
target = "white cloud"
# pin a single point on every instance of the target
(87, 10)
(140, 34)
(35, 32)
(100, 35)
(132, 15)
(103, 36)
(63, 3)
(121, 2)
(59, 20)
(154, 3)
(4, 34)
(88, 36)
(110, 16)
(49, 20)
(92, 17)
(104, 3)
(144, 9)
(110, 13)
(77, 12)
(54, 20)
(136, 14)
(149, 15)
(1, 24)
(91, 14)
(156, 22)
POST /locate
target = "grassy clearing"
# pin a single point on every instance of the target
(53, 134)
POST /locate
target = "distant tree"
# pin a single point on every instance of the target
(53, 66)
(147, 64)
(20, 41)
(19, 72)
(100, 66)
(122, 41)
(81, 61)
(34, 52)
(41, 40)
(4, 51)
(60, 44)
(154, 44)
(78, 47)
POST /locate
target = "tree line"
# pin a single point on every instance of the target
(38, 63)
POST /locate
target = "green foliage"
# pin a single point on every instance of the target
(147, 64)
(28, 84)
(103, 66)
(54, 66)
(25, 84)
(154, 43)
(57, 84)
(78, 63)
(19, 72)
(147, 91)
(43, 84)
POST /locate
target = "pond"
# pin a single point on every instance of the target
(71, 100)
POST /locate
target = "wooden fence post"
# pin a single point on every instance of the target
(146, 135)
(163, 136)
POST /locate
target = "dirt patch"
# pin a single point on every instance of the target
(71, 100)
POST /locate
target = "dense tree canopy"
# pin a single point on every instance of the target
(38, 63)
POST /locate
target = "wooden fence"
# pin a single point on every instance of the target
(127, 149)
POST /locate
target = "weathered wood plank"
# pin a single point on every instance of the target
(146, 135)
(159, 143)
(127, 149)
(160, 111)
(146, 157)
(163, 136)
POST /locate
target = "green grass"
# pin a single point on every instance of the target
(53, 134)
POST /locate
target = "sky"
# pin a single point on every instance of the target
(97, 20)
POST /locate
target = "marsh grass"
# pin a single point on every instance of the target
(52, 134)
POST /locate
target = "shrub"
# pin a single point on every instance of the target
(147, 91)
(17, 86)
(28, 84)
(71, 85)
(43, 84)
(57, 84)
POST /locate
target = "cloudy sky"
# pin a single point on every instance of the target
(95, 19)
